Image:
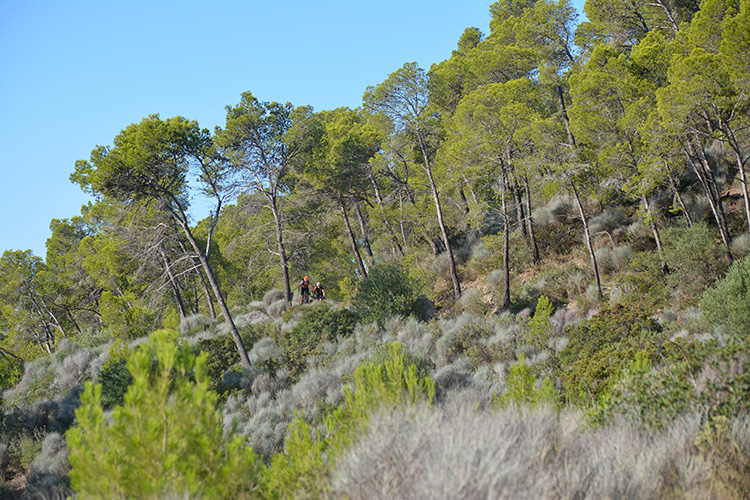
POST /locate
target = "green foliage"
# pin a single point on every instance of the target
(387, 291)
(160, 441)
(695, 260)
(11, 371)
(221, 355)
(467, 343)
(125, 319)
(717, 441)
(690, 375)
(601, 348)
(115, 380)
(728, 303)
(539, 326)
(561, 283)
(644, 281)
(521, 387)
(39, 385)
(115, 377)
(390, 383)
(317, 326)
(301, 471)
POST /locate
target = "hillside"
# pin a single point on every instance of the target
(536, 259)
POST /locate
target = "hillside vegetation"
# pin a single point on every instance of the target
(536, 258)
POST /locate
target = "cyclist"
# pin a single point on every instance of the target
(304, 290)
(318, 293)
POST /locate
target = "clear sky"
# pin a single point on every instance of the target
(74, 73)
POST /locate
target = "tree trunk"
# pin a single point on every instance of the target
(741, 167)
(202, 279)
(655, 232)
(530, 224)
(282, 251)
(506, 243)
(443, 232)
(175, 285)
(686, 214)
(395, 245)
(564, 112)
(714, 188)
(352, 240)
(587, 233)
(515, 190)
(464, 201)
(713, 202)
(217, 293)
(363, 229)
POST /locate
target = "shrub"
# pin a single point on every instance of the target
(608, 221)
(272, 296)
(11, 371)
(114, 376)
(387, 291)
(521, 387)
(473, 301)
(562, 283)
(467, 454)
(740, 245)
(695, 259)
(49, 470)
(221, 355)
(37, 383)
(539, 327)
(467, 342)
(115, 380)
(301, 471)
(195, 323)
(317, 326)
(23, 448)
(644, 282)
(600, 349)
(691, 373)
(158, 443)
(728, 304)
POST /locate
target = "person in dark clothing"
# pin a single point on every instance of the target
(304, 290)
(318, 293)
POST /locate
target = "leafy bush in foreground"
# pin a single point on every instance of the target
(464, 454)
(301, 471)
(159, 442)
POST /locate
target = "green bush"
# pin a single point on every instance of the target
(562, 284)
(115, 380)
(695, 258)
(521, 387)
(303, 470)
(387, 291)
(11, 371)
(728, 304)
(643, 281)
(539, 327)
(221, 355)
(599, 349)
(317, 326)
(467, 343)
(115, 377)
(167, 438)
(690, 374)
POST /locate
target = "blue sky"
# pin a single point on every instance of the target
(75, 73)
